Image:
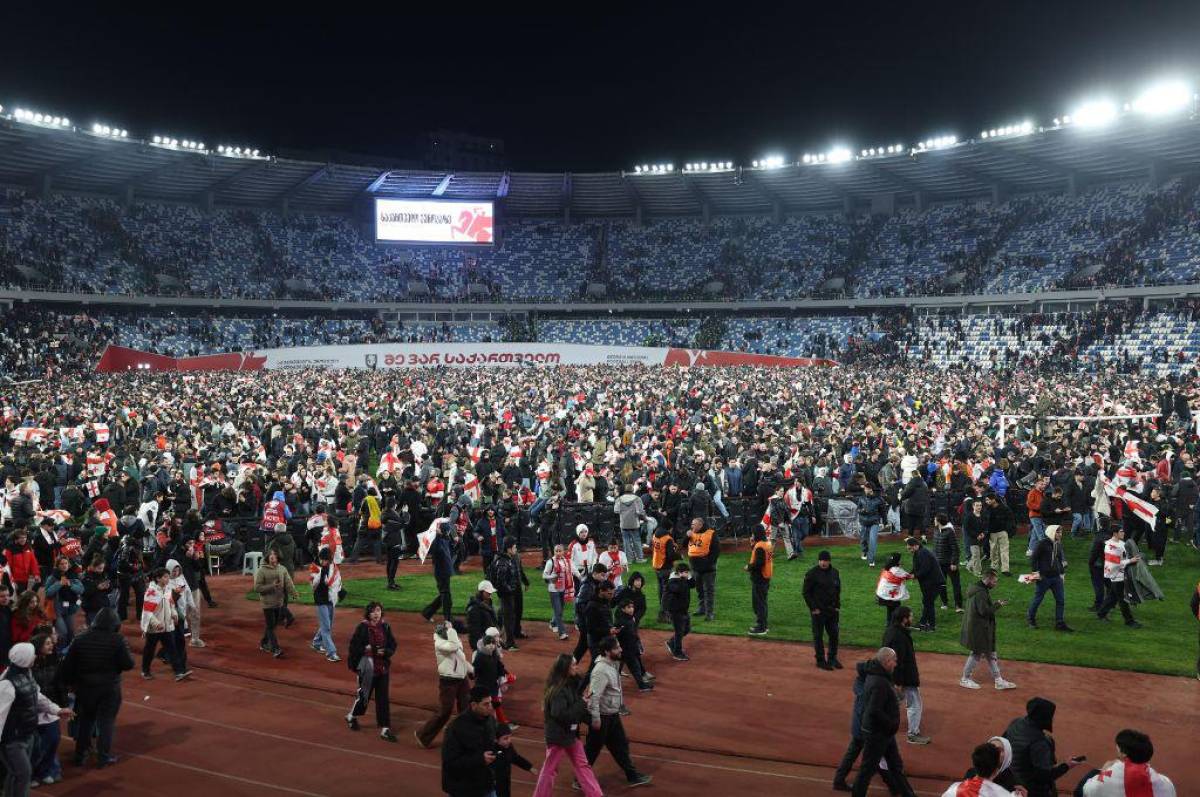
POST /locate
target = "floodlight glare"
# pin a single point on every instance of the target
(1163, 98)
(1096, 113)
(839, 155)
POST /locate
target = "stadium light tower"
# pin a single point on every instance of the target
(1095, 113)
(1164, 98)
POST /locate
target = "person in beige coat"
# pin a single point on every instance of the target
(272, 582)
(454, 685)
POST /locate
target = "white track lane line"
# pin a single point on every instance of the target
(173, 764)
(424, 765)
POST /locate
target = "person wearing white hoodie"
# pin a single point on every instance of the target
(454, 688)
(185, 604)
(159, 618)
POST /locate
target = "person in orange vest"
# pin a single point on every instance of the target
(703, 550)
(663, 554)
(1196, 611)
(760, 568)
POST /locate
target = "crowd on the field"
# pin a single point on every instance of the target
(121, 491)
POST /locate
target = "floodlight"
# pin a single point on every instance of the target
(839, 155)
(1096, 113)
(1163, 98)
(1027, 126)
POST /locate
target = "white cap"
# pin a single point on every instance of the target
(485, 586)
(492, 632)
(581, 528)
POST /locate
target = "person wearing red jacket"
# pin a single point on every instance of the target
(22, 562)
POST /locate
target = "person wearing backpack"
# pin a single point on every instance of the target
(510, 581)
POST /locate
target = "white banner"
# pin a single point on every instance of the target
(436, 355)
(431, 221)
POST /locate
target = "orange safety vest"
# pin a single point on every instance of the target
(700, 544)
(658, 548)
(768, 550)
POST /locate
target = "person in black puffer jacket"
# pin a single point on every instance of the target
(914, 506)
(1033, 749)
(879, 720)
(93, 667)
(510, 581)
(480, 614)
(677, 601)
(633, 591)
(563, 712)
(948, 554)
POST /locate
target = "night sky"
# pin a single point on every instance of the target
(601, 91)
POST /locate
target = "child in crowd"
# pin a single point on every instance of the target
(631, 645)
(891, 588)
(490, 671)
(677, 601)
(506, 758)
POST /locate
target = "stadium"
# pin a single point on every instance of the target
(857, 467)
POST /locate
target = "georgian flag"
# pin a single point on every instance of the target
(96, 465)
(59, 516)
(474, 452)
(92, 487)
(74, 434)
(471, 487)
(389, 462)
(101, 430)
(1146, 511)
(1131, 450)
(30, 435)
(425, 538)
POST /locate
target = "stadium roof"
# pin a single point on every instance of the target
(1047, 160)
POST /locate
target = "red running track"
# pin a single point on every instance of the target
(745, 715)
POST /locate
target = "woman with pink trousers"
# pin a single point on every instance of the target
(564, 710)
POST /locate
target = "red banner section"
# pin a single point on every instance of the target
(454, 355)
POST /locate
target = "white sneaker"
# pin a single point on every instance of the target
(1003, 684)
(967, 683)
(198, 643)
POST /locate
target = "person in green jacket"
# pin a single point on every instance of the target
(979, 631)
(284, 546)
(274, 584)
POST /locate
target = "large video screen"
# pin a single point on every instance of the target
(426, 221)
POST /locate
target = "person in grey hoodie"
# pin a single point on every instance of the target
(632, 513)
(604, 704)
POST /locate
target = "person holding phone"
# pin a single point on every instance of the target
(469, 749)
(978, 633)
(1032, 739)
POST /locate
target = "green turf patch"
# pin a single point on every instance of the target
(1166, 645)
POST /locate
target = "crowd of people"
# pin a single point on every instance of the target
(120, 486)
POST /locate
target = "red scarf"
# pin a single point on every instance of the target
(1137, 780)
(970, 788)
